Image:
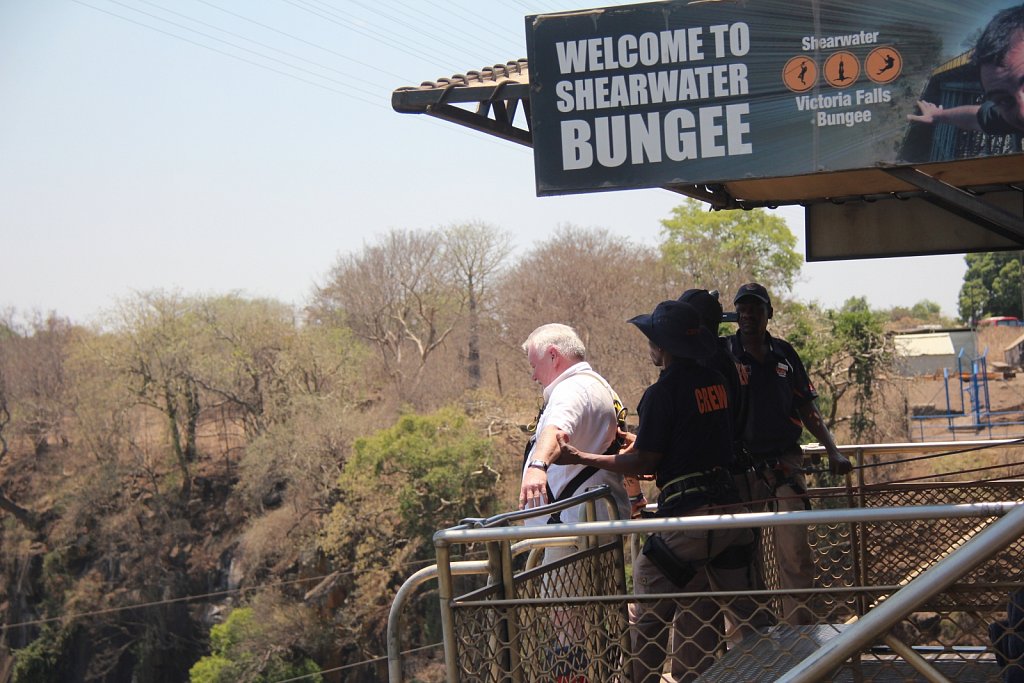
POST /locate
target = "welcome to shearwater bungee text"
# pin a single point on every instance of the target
(678, 134)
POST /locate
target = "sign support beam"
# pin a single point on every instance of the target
(963, 203)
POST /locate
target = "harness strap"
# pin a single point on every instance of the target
(569, 490)
(780, 478)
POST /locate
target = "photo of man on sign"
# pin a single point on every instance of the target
(999, 58)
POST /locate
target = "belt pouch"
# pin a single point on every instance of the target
(662, 557)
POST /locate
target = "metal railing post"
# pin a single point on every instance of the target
(860, 567)
(395, 674)
(510, 616)
(445, 593)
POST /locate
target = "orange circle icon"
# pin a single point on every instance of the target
(800, 74)
(883, 64)
(841, 69)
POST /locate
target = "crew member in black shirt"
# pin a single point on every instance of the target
(684, 438)
(780, 403)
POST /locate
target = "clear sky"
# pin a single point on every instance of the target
(213, 146)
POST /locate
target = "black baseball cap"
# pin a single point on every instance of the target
(752, 289)
(675, 327)
(707, 305)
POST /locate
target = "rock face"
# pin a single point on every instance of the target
(133, 552)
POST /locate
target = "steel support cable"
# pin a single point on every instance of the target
(968, 471)
(189, 598)
(243, 48)
(460, 49)
(855, 490)
(390, 16)
(867, 490)
(460, 130)
(872, 490)
(368, 33)
(345, 667)
(449, 8)
(823, 470)
(951, 474)
(156, 603)
(228, 54)
(303, 40)
(254, 42)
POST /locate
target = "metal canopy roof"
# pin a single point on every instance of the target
(490, 100)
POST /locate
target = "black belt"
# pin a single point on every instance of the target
(694, 489)
(693, 482)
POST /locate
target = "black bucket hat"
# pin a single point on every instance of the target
(675, 327)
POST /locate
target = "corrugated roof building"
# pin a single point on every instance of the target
(927, 353)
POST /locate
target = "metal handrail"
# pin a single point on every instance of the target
(404, 592)
(602, 491)
(912, 446)
(455, 536)
(445, 540)
(932, 581)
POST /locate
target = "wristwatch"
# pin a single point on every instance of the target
(539, 464)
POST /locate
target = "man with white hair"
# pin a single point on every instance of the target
(579, 407)
(578, 404)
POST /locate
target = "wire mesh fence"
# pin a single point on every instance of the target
(569, 620)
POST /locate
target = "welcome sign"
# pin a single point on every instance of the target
(703, 92)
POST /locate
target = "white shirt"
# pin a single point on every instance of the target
(579, 402)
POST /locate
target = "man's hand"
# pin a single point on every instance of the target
(927, 115)
(534, 491)
(627, 439)
(838, 463)
(567, 453)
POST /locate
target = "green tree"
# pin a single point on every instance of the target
(924, 312)
(992, 285)
(435, 470)
(43, 659)
(926, 309)
(725, 249)
(247, 649)
(861, 336)
(397, 488)
(845, 352)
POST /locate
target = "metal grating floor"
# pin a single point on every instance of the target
(766, 657)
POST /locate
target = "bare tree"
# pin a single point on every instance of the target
(593, 281)
(157, 358)
(398, 295)
(22, 514)
(475, 252)
(244, 357)
(34, 353)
